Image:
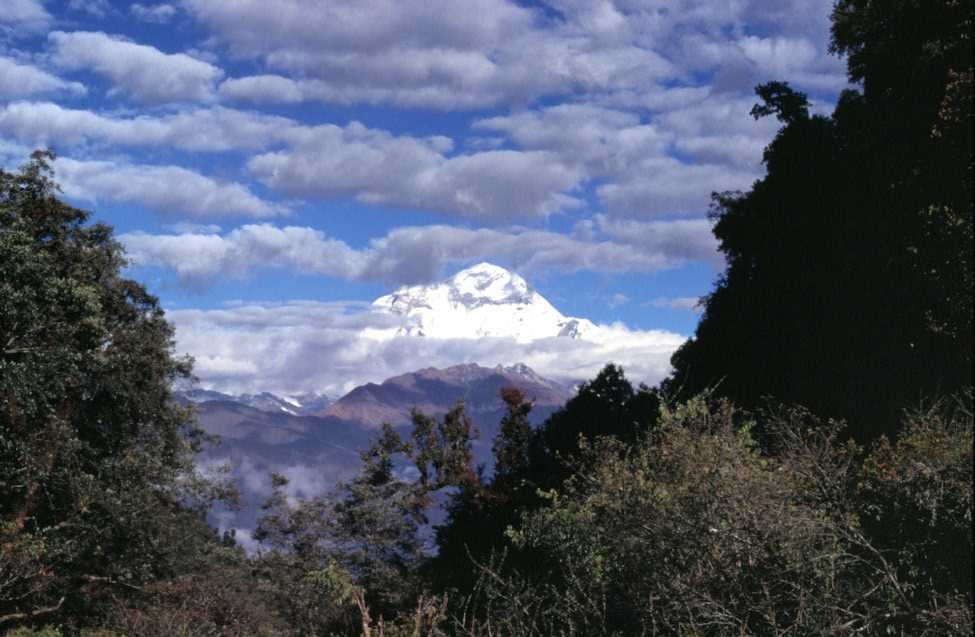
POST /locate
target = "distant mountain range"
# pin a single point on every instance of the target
(297, 405)
(315, 441)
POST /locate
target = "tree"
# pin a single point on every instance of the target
(351, 560)
(98, 491)
(605, 406)
(848, 286)
(511, 446)
(478, 514)
(527, 461)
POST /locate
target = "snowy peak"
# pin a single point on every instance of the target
(484, 300)
(487, 283)
(299, 405)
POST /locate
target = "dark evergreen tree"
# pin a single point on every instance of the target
(527, 462)
(848, 286)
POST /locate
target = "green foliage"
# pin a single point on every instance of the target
(917, 495)
(512, 446)
(848, 290)
(221, 596)
(527, 461)
(98, 491)
(695, 531)
(350, 561)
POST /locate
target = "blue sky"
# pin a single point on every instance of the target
(311, 154)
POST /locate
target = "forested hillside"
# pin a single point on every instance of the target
(806, 470)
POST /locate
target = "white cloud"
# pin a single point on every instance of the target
(143, 72)
(496, 52)
(156, 13)
(326, 161)
(664, 185)
(377, 167)
(23, 17)
(281, 348)
(96, 8)
(172, 191)
(419, 254)
(19, 80)
(425, 54)
(198, 258)
(273, 89)
(204, 129)
(720, 143)
(682, 240)
(603, 141)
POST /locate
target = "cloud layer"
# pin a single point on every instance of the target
(171, 191)
(499, 53)
(420, 254)
(142, 72)
(310, 346)
(18, 80)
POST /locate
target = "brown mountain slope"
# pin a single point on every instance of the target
(434, 391)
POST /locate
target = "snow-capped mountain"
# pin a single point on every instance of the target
(482, 301)
(299, 405)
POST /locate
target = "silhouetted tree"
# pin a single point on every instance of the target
(848, 286)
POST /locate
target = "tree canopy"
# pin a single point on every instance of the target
(98, 491)
(849, 266)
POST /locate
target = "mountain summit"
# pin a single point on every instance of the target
(481, 301)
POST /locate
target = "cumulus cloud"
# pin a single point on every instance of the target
(155, 13)
(142, 72)
(199, 257)
(563, 148)
(171, 191)
(427, 54)
(213, 129)
(497, 52)
(18, 80)
(659, 119)
(419, 254)
(97, 8)
(661, 185)
(668, 164)
(682, 239)
(377, 167)
(603, 141)
(269, 89)
(23, 17)
(307, 346)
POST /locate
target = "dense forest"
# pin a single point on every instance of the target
(806, 469)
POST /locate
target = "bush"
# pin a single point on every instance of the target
(695, 531)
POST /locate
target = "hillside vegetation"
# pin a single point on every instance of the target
(712, 505)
